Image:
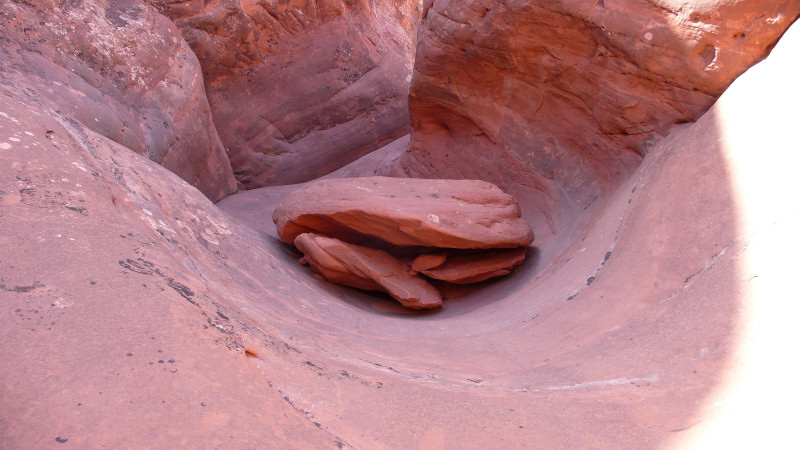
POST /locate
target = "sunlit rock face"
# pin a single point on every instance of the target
(301, 88)
(116, 291)
(121, 69)
(557, 101)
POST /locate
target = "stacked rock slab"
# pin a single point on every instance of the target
(392, 234)
(366, 268)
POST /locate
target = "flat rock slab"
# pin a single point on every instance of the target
(463, 214)
(428, 261)
(478, 266)
(367, 268)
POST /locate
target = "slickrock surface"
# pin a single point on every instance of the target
(121, 69)
(405, 212)
(299, 89)
(555, 101)
(135, 313)
(120, 288)
(661, 325)
(366, 268)
(380, 162)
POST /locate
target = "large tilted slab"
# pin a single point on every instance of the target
(464, 214)
(367, 268)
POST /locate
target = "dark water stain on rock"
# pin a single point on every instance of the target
(182, 289)
(35, 285)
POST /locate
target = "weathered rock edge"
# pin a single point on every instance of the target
(462, 214)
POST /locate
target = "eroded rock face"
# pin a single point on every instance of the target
(299, 89)
(405, 212)
(556, 101)
(121, 69)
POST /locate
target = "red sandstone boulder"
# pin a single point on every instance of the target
(366, 268)
(405, 212)
(477, 266)
(401, 215)
(121, 69)
(299, 89)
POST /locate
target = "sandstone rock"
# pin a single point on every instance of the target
(405, 212)
(299, 89)
(119, 284)
(123, 70)
(555, 101)
(366, 268)
(477, 266)
(135, 311)
(428, 261)
(380, 162)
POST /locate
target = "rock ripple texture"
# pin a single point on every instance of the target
(326, 219)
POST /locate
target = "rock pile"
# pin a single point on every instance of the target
(394, 234)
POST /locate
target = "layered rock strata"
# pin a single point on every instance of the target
(366, 268)
(299, 89)
(405, 212)
(415, 226)
(121, 69)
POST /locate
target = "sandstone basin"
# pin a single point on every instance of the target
(655, 308)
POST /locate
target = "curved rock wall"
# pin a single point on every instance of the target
(121, 69)
(556, 101)
(301, 88)
(134, 312)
